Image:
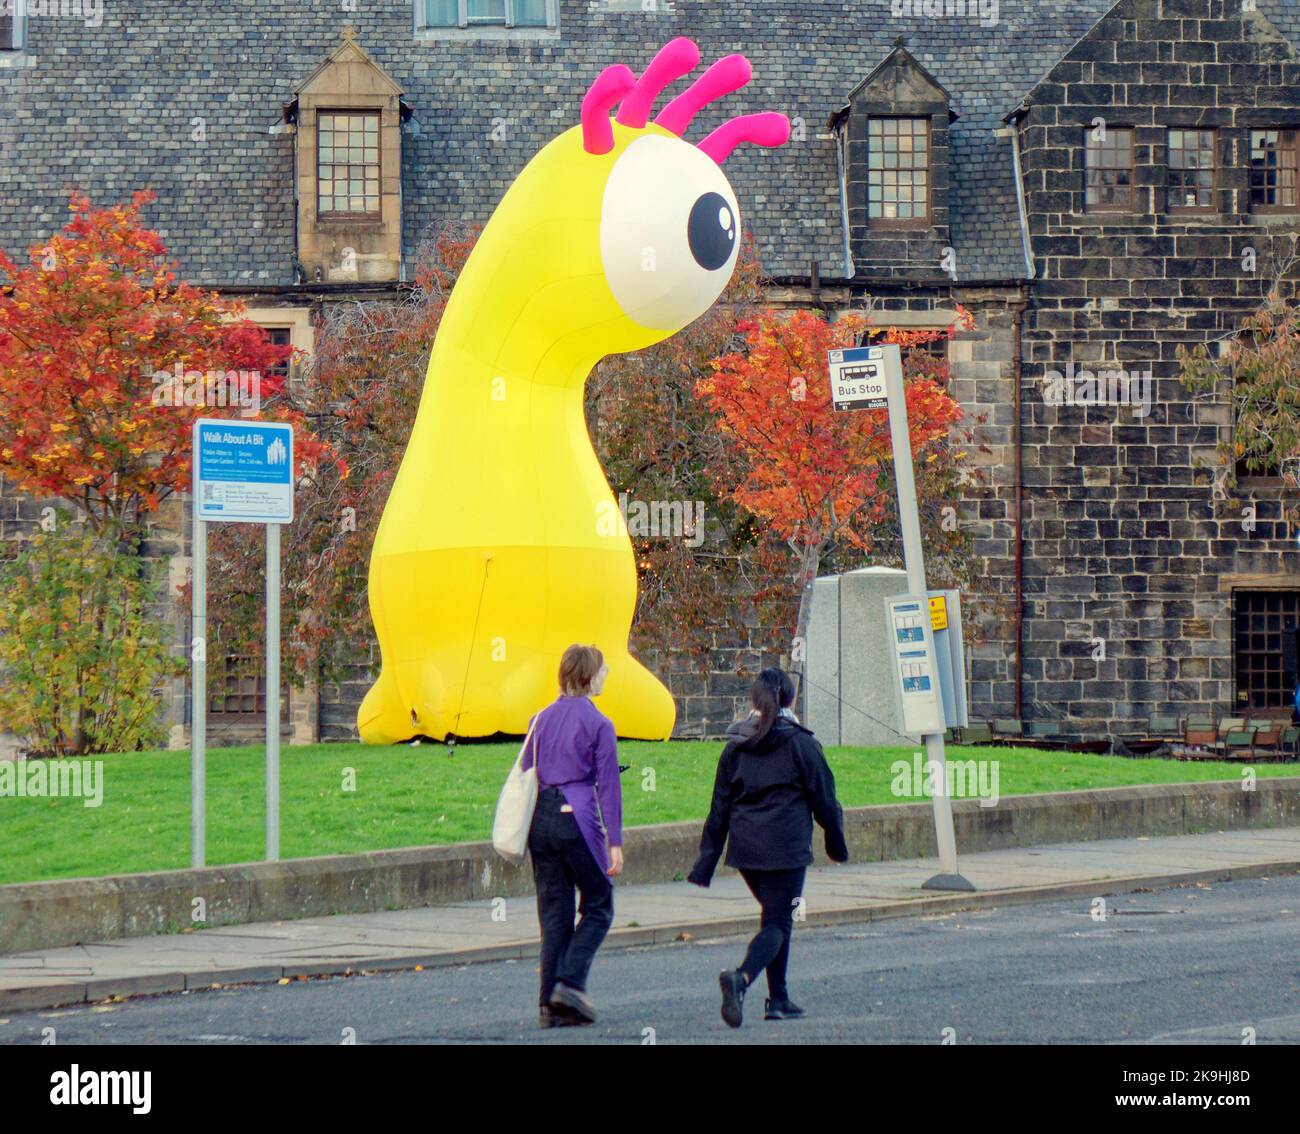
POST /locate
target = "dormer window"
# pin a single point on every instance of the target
(346, 122)
(892, 138)
(484, 13)
(898, 172)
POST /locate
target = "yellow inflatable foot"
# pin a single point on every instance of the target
(382, 719)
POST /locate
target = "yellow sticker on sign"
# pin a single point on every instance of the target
(938, 613)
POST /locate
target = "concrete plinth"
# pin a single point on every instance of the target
(850, 694)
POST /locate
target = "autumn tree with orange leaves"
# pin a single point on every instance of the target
(816, 477)
(85, 327)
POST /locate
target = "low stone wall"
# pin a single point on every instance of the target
(46, 914)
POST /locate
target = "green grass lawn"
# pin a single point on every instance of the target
(409, 796)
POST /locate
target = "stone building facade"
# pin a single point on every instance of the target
(1084, 176)
(1125, 540)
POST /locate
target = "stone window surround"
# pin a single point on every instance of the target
(352, 248)
(482, 32)
(1255, 582)
(302, 331)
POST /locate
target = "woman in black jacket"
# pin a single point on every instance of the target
(772, 782)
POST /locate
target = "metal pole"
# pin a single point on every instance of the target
(272, 692)
(198, 682)
(910, 524)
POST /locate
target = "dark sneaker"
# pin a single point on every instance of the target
(575, 1001)
(549, 1017)
(782, 1008)
(733, 987)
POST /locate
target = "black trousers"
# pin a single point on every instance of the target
(776, 891)
(562, 862)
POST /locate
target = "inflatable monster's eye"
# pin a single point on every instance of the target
(669, 232)
(711, 231)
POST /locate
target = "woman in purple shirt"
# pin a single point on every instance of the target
(576, 752)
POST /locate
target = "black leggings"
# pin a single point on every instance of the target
(776, 891)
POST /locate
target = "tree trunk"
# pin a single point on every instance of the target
(809, 560)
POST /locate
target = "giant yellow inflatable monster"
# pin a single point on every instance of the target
(496, 548)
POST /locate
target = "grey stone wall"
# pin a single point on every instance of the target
(1124, 539)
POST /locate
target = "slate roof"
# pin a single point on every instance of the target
(110, 109)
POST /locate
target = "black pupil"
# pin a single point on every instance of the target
(711, 231)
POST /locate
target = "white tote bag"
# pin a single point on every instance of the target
(515, 806)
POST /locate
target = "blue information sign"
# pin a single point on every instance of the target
(243, 471)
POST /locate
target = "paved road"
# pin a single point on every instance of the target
(1191, 965)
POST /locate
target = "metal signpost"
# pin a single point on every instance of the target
(242, 473)
(872, 378)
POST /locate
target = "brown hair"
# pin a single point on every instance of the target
(578, 669)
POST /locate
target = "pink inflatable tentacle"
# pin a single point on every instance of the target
(726, 75)
(676, 58)
(766, 129)
(611, 87)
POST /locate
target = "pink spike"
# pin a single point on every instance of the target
(676, 58)
(725, 76)
(766, 129)
(610, 87)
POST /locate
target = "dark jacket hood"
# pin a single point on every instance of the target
(783, 728)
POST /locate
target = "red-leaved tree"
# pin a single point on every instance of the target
(813, 476)
(87, 327)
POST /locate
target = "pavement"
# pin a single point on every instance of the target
(506, 928)
(1201, 963)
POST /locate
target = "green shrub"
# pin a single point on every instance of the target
(82, 661)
